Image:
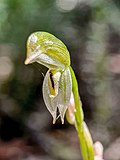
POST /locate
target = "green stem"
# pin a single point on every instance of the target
(85, 139)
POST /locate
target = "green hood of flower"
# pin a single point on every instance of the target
(46, 49)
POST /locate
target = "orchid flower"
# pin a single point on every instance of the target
(49, 51)
(59, 84)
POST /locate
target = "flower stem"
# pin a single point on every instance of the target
(85, 139)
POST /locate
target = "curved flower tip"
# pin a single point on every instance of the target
(54, 120)
(54, 117)
(57, 88)
(46, 49)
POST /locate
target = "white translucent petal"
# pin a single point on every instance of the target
(64, 93)
(63, 88)
(49, 62)
(50, 102)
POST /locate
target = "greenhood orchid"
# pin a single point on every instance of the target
(60, 84)
(49, 51)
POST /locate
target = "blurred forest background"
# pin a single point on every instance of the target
(91, 31)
